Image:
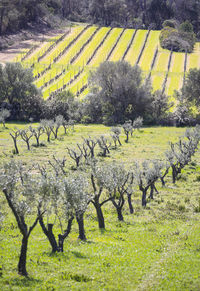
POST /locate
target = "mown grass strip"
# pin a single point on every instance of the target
(157, 80)
(103, 52)
(90, 48)
(130, 44)
(121, 47)
(135, 49)
(72, 52)
(64, 46)
(193, 59)
(177, 63)
(174, 82)
(149, 51)
(143, 47)
(161, 64)
(114, 46)
(61, 82)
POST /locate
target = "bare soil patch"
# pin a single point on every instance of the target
(25, 40)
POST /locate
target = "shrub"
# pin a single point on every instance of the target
(170, 23)
(176, 38)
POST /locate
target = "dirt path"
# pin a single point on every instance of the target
(150, 281)
(20, 46)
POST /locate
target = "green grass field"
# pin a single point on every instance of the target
(157, 248)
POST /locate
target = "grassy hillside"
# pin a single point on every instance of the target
(156, 248)
(64, 62)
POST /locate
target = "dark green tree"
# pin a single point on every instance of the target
(119, 89)
(19, 92)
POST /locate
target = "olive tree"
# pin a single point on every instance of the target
(59, 121)
(104, 144)
(98, 196)
(115, 133)
(19, 188)
(37, 133)
(47, 125)
(115, 181)
(26, 134)
(15, 134)
(4, 114)
(128, 129)
(63, 195)
(146, 175)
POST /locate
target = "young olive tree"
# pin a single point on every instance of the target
(138, 123)
(98, 199)
(59, 121)
(19, 188)
(62, 196)
(178, 156)
(128, 129)
(37, 133)
(15, 134)
(104, 144)
(146, 175)
(76, 155)
(4, 114)
(116, 180)
(116, 131)
(91, 144)
(75, 196)
(26, 135)
(47, 125)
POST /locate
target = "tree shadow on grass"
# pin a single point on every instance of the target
(24, 281)
(79, 255)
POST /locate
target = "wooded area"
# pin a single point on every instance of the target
(18, 14)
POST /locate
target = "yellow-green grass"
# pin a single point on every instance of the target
(79, 83)
(90, 48)
(106, 48)
(136, 47)
(156, 248)
(149, 51)
(174, 82)
(161, 64)
(193, 61)
(50, 74)
(65, 59)
(121, 47)
(60, 82)
(157, 80)
(177, 62)
(61, 45)
(162, 60)
(21, 55)
(84, 94)
(42, 48)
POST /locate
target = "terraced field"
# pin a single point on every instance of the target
(64, 61)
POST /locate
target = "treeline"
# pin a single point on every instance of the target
(118, 93)
(17, 14)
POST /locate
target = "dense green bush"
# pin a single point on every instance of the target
(179, 39)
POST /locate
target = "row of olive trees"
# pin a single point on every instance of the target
(86, 150)
(48, 127)
(55, 192)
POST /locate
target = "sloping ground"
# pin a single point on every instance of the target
(64, 62)
(157, 248)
